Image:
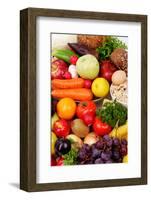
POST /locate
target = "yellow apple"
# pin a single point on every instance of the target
(100, 87)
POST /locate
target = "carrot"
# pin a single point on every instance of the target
(67, 84)
(80, 94)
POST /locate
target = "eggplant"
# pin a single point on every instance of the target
(82, 49)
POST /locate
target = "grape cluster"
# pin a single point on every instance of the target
(106, 150)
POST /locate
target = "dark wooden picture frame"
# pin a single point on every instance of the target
(28, 98)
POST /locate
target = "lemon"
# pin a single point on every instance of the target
(100, 87)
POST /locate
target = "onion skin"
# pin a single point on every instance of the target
(91, 138)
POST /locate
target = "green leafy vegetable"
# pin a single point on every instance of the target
(108, 47)
(113, 112)
(71, 157)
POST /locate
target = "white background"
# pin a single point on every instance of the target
(9, 99)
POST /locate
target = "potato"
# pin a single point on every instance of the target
(79, 128)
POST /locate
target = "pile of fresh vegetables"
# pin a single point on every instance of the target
(88, 125)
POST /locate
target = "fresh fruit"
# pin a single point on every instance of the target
(53, 141)
(66, 108)
(84, 155)
(73, 71)
(61, 128)
(100, 87)
(118, 77)
(87, 67)
(75, 141)
(58, 68)
(73, 59)
(62, 146)
(79, 94)
(86, 111)
(54, 119)
(67, 75)
(91, 138)
(79, 128)
(63, 54)
(125, 159)
(120, 132)
(101, 128)
(105, 150)
(107, 69)
(87, 83)
(67, 84)
(60, 161)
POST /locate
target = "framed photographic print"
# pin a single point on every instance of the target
(83, 99)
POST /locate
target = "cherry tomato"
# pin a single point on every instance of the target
(101, 128)
(61, 128)
(86, 111)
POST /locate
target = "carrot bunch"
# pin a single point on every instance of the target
(72, 88)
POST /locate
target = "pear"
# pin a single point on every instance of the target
(120, 132)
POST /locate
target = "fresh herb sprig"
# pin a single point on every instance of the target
(113, 112)
(108, 47)
(71, 157)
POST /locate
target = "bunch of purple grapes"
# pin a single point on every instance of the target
(106, 150)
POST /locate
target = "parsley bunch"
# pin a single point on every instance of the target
(71, 157)
(111, 43)
(113, 112)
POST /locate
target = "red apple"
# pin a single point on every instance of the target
(87, 83)
(58, 68)
(107, 69)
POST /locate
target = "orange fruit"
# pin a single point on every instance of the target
(66, 108)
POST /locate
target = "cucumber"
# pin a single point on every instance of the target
(63, 54)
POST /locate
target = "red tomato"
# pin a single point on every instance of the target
(60, 161)
(86, 111)
(101, 128)
(107, 69)
(61, 128)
